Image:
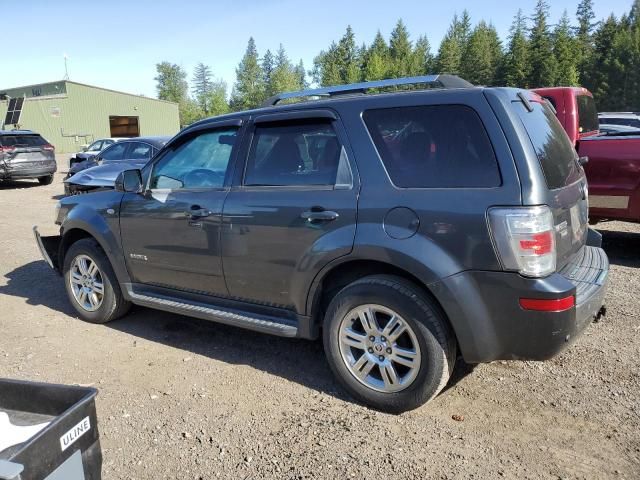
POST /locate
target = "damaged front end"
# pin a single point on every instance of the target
(49, 248)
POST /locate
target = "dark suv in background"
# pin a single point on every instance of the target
(25, 154)
(407, 228)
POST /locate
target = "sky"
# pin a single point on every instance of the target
(117, 43)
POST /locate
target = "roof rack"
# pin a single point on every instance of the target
(438, 81)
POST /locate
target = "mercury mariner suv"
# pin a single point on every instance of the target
(405, 227)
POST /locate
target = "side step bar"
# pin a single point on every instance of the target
(250, 321)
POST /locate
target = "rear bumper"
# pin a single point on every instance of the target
(19, 171)
(491, 325)
(49, 248)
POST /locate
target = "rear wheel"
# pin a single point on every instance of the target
(91, 284)
(388, 343)
(45, 180)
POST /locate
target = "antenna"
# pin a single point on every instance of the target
(66, 70)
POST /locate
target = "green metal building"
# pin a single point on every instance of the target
(70, 115)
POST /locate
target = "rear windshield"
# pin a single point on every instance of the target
(557, 156)
(587, 114)
(22, 141)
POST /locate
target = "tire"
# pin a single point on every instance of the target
(110, 304)
(48, 180)
(434, 356)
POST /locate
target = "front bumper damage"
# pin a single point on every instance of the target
(49, 248)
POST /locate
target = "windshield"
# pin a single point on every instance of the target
(587, 114)
(95, 146)
(557, 156)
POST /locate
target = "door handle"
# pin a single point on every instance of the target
(319, 215)
(196, 212)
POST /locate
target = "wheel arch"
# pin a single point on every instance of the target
(329, 282)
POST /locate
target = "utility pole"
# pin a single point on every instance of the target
(66, 70)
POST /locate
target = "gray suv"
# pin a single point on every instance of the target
(406, 228)
(25, 154)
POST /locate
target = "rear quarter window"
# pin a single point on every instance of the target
(439, 146)
(555, 152)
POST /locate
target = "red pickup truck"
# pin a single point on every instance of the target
(613, 167)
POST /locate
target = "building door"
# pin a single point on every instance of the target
(124, 127)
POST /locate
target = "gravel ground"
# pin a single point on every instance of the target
(183, 398)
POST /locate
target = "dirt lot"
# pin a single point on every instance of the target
(183, 398)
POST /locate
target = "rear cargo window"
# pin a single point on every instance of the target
(587, 114)
(22, 140)
(441, 146)
(551, 143)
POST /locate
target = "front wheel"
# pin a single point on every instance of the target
(45, 180)
(388, 343)
(91, 283)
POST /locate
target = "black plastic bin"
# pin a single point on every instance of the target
(66, 449)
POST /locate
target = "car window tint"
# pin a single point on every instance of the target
(293, 154)
(555, 152)
(441, 146)
(139, 151)
(200, 162)
(115, 152)
(587, 114)
(22, 141)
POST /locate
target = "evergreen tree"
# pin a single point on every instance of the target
(543, 62)
(376, 60)
(604, 79)
(249, 89)
(326, 71)
(267, 72)
(284, 77)
(421, 58)
(301, 75)
(340, 64)
(450, 51)
(464, 29)
(566, 53)
(400, 51)
(516, 63)
(584, 36)
(348, 56)
(483, 55)
(201, 86)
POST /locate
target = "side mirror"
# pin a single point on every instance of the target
(84, 149)
(129, 181)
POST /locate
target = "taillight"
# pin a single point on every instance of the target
(8, 148)
(48, 147)
(525, 240)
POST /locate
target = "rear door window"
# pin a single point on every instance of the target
(294, 154)
(587, 114)
(555, 152)
(139, 151)
(440, 146)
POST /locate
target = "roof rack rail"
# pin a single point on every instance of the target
(440, 81)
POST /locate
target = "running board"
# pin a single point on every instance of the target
(258, 323)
